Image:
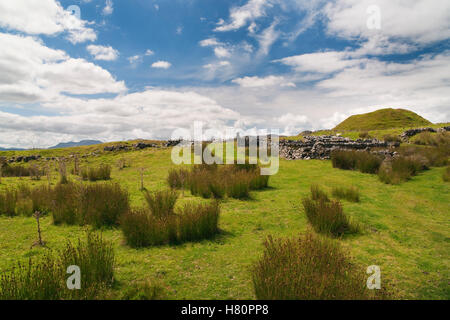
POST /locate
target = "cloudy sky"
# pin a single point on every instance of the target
(123, 69)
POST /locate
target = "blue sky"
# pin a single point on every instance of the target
(143, 68)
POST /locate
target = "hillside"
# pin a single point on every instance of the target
(76, 144)
(382, 119)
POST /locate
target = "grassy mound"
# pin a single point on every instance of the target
(383, 119)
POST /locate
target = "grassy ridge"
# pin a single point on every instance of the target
(406, 229)
(382, 119)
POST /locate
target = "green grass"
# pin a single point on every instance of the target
(405, 229)
(382, 119)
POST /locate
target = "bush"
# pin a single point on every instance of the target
(103, 172)
(161, 203)
(96, 204)
(103, 204)
(45, 278)
(308, 268)
(145, 290)
(142, 228)
(328, 217)
(364, 135)
(351, 194)
(21, 171)
(318, 194)
(198, 221)
(446, 175)
(213, 181)
(356, 160)
(8, 200)
(400, 169)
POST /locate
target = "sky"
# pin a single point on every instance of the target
(126, 69)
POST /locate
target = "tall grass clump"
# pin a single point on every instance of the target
(193, 222)
(98, 204)
(8, 200)
(400, 169)
(348, 193)
(45, 278)
(446, 175)
(21, 171)
(103, 172)
(318, 194)
(103, 204)
(213, 181)
(365, 162)
(161, 203)
(327, 216)
(198, 221)
(308, 268)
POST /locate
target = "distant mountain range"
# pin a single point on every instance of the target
(76, 144)
(62, 145)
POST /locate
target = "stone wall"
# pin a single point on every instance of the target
(320, 147)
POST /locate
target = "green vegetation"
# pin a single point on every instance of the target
(382, 119)
(446, 175)
(308, 268)
(327, 216)
(45, 278)
(356, 160)
(103, 172)
(348, 193)
(406, 227)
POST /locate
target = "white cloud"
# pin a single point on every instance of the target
(210, 42)
(267, 38)
(149, 52)
(32, 72)
(148, 114)
(418, 21)
(255, 82)
(222, 52)
(46, 17)
(103, 52)
(161, 65)
(134, 59)
(109, 8)
(240, 16)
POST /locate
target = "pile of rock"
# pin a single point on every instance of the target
(320, 147)
(24, 158)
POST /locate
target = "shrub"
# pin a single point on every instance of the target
(356, 160)
(96, 204)
(328, 217)
(21, 171)
(178, 179)
(103, 172)
(318, 194)
(8, 200)
(45, 278)
(400, 169)
(351, 194)
(103, 204)
(198, 221)
(161, 203)
(213, 181)
(65, 204)
(142, 228)
(308, 268)
(446, 175)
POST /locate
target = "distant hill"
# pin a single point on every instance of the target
(11, 149)
(382, 119)
(76, 144)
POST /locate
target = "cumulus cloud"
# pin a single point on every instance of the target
(32, 72)
(46, 17)
(254, 82)
(148, 114)
(240, 16)
(161, 64)
(103, 52)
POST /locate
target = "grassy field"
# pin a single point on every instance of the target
(406, 229)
